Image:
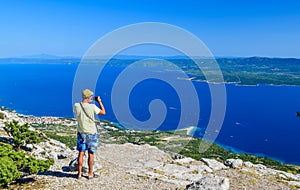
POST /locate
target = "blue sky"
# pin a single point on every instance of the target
(228, 28)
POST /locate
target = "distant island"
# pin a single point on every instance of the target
(239, 70)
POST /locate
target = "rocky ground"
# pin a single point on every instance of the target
(129, 166)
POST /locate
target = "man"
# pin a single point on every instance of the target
(87, 135)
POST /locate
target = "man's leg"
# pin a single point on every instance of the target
(80, 162)
(91, 164)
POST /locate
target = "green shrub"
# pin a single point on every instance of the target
(70, 140)
(15, 164)
(8, 171)
(2, 116)
(21, 134)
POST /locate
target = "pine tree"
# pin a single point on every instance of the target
(21, 134)
(15, 164)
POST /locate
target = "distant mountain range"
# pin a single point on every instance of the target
(49, 57)
(45, 56)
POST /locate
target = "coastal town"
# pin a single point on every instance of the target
(10, 115)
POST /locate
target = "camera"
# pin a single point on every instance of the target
(95, 98)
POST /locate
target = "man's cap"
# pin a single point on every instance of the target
(87, 93)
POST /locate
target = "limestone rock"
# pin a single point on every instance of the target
(51, 149)
(4, 114)
(234, 163)
(260, 166)
(175, 156)
(185, 160)
(176, 171)
(201, 168)
(29, 147)
(213, 164)
(73, 165)
(294, 183)
(269, 171)
(141, 155)
(210, 182)
(248, 164)
(290, 176)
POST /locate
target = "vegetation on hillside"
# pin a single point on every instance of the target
(173, 141)
(21, 135)
(14, 162)
(2, 116)
(189, 147)
(219, 153)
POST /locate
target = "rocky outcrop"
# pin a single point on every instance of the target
(129, 166)
(50, 149)
(234, 163)
(213, 164)
(209, 182)
(151, 162)
(73, 164)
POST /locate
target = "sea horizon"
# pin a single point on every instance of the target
(45, 56)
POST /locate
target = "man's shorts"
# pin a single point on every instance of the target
(87, 142)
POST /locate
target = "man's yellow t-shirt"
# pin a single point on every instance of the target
(85, 124)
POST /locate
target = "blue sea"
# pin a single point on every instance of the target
(259, 120)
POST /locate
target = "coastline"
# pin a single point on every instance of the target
(71, 123)
(213, 163)
(67, 121)
(238, 151)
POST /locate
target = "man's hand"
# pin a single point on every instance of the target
(102, 109)
(98, 99)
